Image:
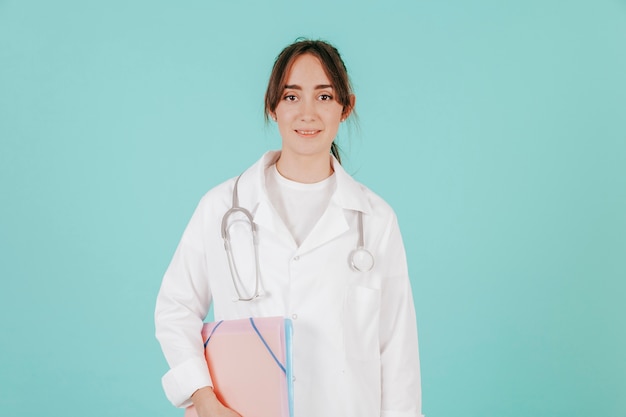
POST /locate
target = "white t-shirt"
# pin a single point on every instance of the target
(299, 205)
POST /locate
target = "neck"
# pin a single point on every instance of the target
(306, 170)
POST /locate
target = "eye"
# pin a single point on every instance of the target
(290, 97)
(326, 97)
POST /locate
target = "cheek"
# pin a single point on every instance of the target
(335, 111)
(284, 113)
(284, 122)
(333, 115)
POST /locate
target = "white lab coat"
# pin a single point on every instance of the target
(355, 338)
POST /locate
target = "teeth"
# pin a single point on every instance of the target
(307, 132)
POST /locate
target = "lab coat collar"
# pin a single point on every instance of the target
(348, 195)
(253, 193)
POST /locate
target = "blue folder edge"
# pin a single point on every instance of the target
(288, 337)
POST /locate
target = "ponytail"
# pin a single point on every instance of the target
(334, 150)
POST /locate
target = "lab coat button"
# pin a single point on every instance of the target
(296, 258)
(294, 316)
(293, 378)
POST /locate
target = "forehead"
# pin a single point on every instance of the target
(307, 69)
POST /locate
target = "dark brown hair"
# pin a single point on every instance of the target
(333, 65)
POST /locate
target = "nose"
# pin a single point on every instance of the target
(308, 110)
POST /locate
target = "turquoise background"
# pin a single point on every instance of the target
(496, 129)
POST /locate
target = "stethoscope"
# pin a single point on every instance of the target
(360, 259)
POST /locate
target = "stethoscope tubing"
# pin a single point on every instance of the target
(234, 273)
(360, 259)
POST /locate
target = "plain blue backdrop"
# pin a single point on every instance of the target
(496, 129)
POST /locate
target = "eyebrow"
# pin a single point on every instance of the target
(297, 87)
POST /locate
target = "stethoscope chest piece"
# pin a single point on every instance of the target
(361, 260)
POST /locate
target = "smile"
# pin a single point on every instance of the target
(307, 132)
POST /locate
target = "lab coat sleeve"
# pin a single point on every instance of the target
(400, 367)
(182, 304)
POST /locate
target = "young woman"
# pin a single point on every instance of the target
(355, 338)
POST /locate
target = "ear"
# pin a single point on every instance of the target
(348, 109)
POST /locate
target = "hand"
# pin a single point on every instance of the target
(207, 404)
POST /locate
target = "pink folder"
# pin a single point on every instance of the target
(250, 365)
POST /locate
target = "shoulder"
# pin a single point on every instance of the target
(217, 196)
(219, 192)
(354, 195)
(379, 208)
(249, 186)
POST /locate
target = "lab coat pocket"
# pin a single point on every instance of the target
(361, 322)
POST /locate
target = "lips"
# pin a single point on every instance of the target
(310, 132)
